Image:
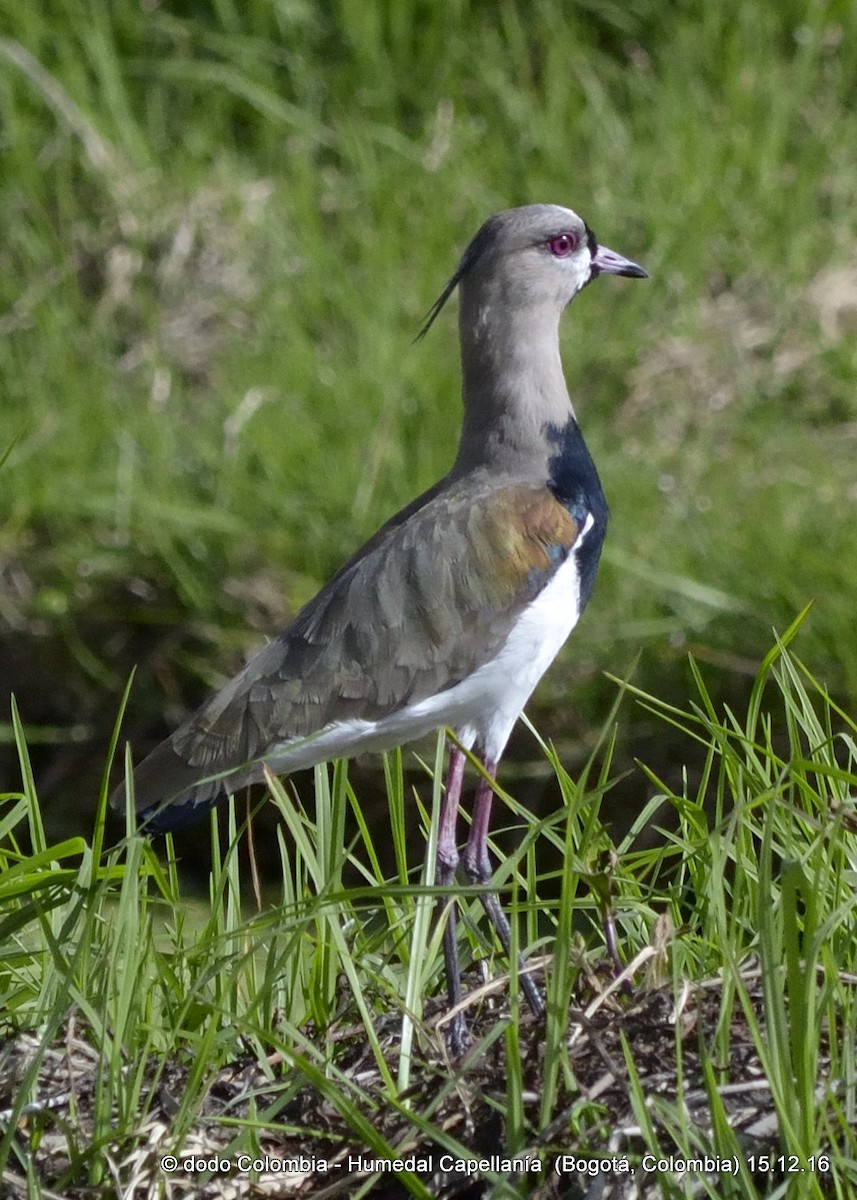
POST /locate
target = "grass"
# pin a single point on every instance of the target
(741, 920)
(222, 226)
(223, 229)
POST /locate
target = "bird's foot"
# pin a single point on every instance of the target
(458, 1039)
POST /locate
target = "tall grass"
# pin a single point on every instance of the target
(222, 229)
(747, 899)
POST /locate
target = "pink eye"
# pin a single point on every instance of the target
(563, 244)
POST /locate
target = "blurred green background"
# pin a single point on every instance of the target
(221, 225)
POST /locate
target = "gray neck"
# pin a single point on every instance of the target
(513, 386)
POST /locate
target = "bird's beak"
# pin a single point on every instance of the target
(608, 262)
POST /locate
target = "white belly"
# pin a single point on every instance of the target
(483, 707)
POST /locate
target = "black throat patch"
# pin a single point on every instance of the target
(574, 481)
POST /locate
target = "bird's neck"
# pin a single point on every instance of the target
(513, 386)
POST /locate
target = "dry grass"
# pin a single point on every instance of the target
(618, 1048)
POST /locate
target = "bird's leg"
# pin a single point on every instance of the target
(603, 888)
(477, 866)
(612, 942)
(447, 862)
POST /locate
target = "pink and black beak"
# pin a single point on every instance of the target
(608, 262)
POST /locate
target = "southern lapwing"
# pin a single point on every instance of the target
(452, 612)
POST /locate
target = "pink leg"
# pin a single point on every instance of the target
(477, 867)
(447, 842)
(447, 862)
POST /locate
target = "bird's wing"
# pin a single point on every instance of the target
(422, 607)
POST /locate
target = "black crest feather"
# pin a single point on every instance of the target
(481, 242)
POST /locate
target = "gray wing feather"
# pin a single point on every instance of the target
(430, 599)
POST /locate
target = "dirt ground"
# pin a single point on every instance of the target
(305, 1147)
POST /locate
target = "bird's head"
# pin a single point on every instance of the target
(538, 256)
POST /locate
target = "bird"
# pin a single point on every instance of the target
(450, 614)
